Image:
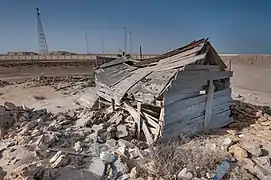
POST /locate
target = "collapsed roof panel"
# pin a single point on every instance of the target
(121, 78)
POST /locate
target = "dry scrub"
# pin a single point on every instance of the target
(199, 155)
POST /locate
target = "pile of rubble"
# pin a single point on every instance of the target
(100, 143)
(66, 84)
(39, 144)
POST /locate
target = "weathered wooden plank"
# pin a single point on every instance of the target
(147, 133)
(196, 125)
(194, 111)
(161, 124)
(122, 87)
(187, 76)
(133, 113)
(201, 67)
(208, 108)
(154, 131)
(138, 119)
(151, 120)
(178, 105)
(178, 63)
(104, 95)
(171, 98)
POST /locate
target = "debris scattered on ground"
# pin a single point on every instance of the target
(65, 84)
(40, 145)
(39, 98)
(4, 83)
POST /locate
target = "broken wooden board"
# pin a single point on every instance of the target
(178, 64)
(122, 87)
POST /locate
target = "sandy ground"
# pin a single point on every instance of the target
(250, 83)
(55, 101)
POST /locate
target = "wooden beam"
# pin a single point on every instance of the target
(113, 105)
(151, 120)
(161, 123)
(201, 67)
(147, 133)
(208, 110)
(138, 119)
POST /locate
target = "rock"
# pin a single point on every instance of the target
(121, 167)
(227, 142)
(238, 152)
(111, 142)
(6, 120)
(107, 157)
(253, 146)
(232, 132)
(195, 178)
(265, 123)
(10, 106)
(78, 146)
(134, 153)
(97, 128)
(134, 173)
(188, 176)
(2, 133)
(56, 156)
(182, 173)
(47, 140)
(61, 161)
(2, 173)
(26, 172)
(121, 131)
(96, 166)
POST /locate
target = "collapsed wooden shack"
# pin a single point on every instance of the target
(184, 91)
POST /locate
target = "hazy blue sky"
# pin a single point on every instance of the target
(233, 26)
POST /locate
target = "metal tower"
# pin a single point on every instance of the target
(41, 36)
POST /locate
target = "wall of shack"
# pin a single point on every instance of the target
(189, 100)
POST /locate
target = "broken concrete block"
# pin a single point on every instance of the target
(121, 131)
(61, 161)
(107, 157)
(238, 152)
(96, 166)
(227, 142)
(134, 153)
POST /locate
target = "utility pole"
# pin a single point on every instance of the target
(130, 33)
(102, 45)
(125, 45)
(140, 52)
(87, 48)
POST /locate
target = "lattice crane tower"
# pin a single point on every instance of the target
(41, 36)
